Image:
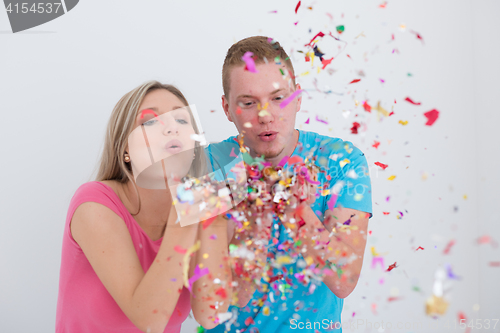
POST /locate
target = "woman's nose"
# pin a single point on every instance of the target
(171, 127)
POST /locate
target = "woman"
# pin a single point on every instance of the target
(123, 253)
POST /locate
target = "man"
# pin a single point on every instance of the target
(254, 100)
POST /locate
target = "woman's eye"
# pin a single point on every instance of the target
(150, 122)
(182, 121)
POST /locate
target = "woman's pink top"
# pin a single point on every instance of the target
(84, 304)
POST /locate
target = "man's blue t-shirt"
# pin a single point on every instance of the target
(289, 304)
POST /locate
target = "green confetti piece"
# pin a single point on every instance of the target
(200, 329)
(340, 29)
(232, 248)
(410, 74)
(282, 73)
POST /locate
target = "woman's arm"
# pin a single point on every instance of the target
(208, 298)
(147, 299)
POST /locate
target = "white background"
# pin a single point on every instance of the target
(60, 81)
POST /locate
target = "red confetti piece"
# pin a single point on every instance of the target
(180, 249)
(408, 99)
(294, 159)
(146, 111)
(431, 116)
(319, 34)
(367, 107)
(354, 128)
(354, 81)
(383, 166)
(208, 222)
(418, 35)
(376, 144)
(238, 110)
(386, 213)
(349, 56)
(297, 7)
(391, 299)
(448, 246)
(391, 267)
(326, 62)
(221, 292)
(419, 248)
(249, 321)
(495, 263)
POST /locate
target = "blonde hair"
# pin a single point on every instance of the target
(261, 47)
(120, 125)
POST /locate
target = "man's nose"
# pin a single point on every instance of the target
(265, 115)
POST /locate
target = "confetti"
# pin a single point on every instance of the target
(403, 122)
(392, 177)
(383, 166)
(297, 7)
(448, 247)
(409, 100)
(354, 81)
(179, 249)
(290, 98)
(250, 64)
(198, 273)
(376, 144)
(354, 128)
(391, 267)
(340, 29)
(431, 116)
(321, 120)
(419, 248)
(146, 111)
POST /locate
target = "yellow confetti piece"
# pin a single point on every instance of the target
(247, 125)
(266, 311)
(309, 261)
(374, 252)
(358, 197)
(259, 202)
(402, 27)
(403, 122)
(435, 305)
(304, 74)
(344, 162)
(465, 196)
(381, 110)
(283, 260)
(205, 255)
(185, 267)
(347, 149)
(391, 177)
(325, 192)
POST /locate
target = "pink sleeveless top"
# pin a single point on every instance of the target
(84, 304)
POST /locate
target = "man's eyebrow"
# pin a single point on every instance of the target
(272, 93)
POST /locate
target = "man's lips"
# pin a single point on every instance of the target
(268, 136)
(173, 146)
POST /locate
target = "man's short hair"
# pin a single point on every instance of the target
(262, 48)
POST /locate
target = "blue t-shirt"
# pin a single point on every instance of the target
(288, 304)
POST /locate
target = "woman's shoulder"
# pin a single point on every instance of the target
(103, 192)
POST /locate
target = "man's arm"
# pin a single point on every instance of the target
(345, 246)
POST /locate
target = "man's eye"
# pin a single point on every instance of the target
(279, 98)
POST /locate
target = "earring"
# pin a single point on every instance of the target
(126, 158)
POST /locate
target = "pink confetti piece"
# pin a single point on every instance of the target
(290, 98)
(214, 236)
(180, 249)
(198, 273)
(232, 154)
(321, 120)
(378, 260)
(307, 121)
(333, 200)
(283, 161)
(250, 64)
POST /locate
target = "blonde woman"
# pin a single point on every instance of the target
(123, 253)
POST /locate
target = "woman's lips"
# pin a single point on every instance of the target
(268, 136)
(173, 146)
